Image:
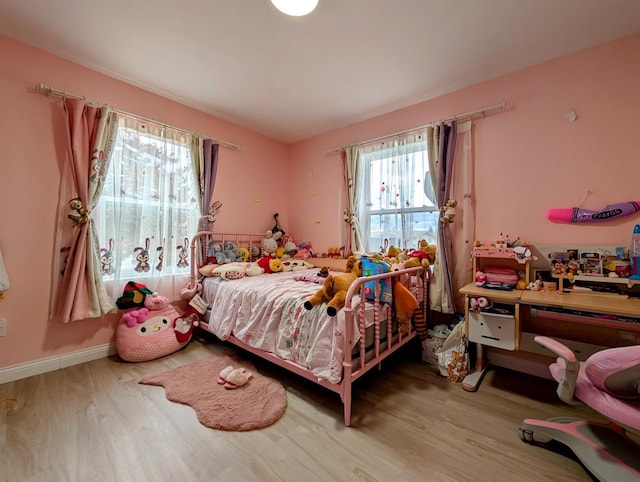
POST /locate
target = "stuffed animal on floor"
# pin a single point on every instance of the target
(335, 287)
(144, 335)
(148, 328)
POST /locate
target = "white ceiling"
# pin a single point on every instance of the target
(293, 78)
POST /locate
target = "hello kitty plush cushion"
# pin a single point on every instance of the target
(145, 334)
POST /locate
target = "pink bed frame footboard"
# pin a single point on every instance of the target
(353, 367)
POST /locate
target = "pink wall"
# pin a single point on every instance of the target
(32, 137)
(529, 158)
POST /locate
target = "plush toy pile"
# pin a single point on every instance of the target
(335, 287)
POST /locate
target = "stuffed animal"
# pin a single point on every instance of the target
(393, 252)
(430, 250)
(335, 287)
(448, 211)
(77, 213)
(254, 270)
(305, 251)
(193, 287)
(230, 252)
(133, 296)
(156, 302)
(215, 254)
(424, 256)
(405, 304)
(254, 253)
(243, 255)
(270, 264)
(144, 335)
(270, 243)
(277, 229)
(290, 249)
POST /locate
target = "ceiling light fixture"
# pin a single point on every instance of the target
(295, 8)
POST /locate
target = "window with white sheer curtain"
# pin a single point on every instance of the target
(148, 209)
(397, 204)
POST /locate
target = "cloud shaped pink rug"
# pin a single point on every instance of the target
(258, 404)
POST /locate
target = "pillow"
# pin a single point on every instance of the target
(371, 268)
(231, 271)
(207, 270)
(616, 371)
(295, 265)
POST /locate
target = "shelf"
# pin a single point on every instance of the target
(597, 279)
(509, 296)
(599, 303)
(494, 252)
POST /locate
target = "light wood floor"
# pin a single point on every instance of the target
(95, 422)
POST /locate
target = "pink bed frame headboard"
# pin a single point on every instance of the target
(202, 239)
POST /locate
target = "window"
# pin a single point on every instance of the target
(397, 203)
(148, 209)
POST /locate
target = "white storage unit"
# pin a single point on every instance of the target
(493, 329)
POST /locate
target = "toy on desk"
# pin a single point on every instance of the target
(580, 215)
(502, 241)
(535, 285)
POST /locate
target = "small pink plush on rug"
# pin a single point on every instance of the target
(258, 404)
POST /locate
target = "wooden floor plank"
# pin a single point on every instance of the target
(95, 422)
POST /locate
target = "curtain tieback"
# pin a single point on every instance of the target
(348, 216)
(214, 209)
(77, 212)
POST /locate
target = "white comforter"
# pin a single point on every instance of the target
(267, 312)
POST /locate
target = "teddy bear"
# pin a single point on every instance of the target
(448, 211)
(335, 287)
(77, 213)
(270, 243)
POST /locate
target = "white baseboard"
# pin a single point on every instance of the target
(49, 364)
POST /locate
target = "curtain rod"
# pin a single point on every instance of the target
(50, 91)
(474, 113)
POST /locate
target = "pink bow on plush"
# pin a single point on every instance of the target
(156, 302)
(135, 316)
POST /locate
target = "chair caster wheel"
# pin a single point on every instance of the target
(526, 435)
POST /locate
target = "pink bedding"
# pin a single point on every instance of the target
(267, 312)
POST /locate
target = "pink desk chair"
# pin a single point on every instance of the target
(608, 382)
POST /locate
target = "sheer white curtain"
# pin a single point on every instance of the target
(149, 208)
(397, 202)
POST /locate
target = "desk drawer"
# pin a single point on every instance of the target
(493, 329)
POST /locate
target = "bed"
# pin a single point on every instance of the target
(265, 315)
